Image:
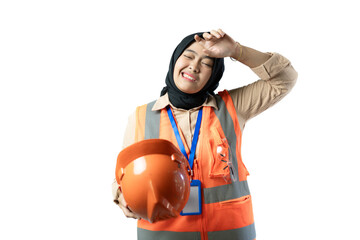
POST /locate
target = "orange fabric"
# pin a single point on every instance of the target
(211, 168)
(231, 214)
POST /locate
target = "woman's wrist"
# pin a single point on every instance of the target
(237, 53)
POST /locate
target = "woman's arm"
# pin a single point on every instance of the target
(249, 56)
(277, 76)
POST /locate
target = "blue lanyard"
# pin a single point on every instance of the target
(178, 138)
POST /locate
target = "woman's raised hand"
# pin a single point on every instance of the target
(218, 44)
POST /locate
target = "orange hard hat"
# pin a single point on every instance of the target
(154, 177)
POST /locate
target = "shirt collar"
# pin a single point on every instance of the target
(164, 101)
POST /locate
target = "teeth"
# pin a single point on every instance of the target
(188, 77)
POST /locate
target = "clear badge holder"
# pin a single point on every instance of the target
(193, 205)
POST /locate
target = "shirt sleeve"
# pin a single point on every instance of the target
(129, 135)
(277, 78)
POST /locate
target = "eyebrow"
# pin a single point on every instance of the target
(189, 50)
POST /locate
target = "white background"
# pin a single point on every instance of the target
(72, 71)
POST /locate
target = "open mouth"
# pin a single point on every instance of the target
(188, 76)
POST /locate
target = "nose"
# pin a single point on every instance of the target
(194, 66)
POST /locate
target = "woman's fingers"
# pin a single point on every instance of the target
(207, 36)
(222, 33)
(198, 39)
(124, 207)
(215, 43)
(216, 34)
(128, 213)
(213, 35)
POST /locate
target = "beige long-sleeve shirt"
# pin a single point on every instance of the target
(277, 77)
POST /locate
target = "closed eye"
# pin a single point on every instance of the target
(207, 64)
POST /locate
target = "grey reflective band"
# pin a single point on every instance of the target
(226, 192)
(244, 233)
(144, 234)
(152, 122)
(229, 130)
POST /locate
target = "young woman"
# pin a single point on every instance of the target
(195, 70)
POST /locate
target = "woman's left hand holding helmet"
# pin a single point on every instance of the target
(218, 44)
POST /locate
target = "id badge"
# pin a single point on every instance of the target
(193, 205)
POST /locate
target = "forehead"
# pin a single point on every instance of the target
(197, 49)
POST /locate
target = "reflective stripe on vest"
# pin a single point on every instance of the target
(226, 192)
(229, 130)
(152, 122)
(144, 234)
(245, 233)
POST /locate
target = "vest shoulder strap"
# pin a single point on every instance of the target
(147, 122)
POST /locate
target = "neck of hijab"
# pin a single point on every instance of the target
(187, 101)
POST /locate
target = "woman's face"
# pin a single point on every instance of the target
(192, 69)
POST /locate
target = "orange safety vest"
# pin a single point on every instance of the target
(226, 202)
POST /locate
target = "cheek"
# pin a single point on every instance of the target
(179, 65)
(176, 69)
(176, 74)
(207, 76)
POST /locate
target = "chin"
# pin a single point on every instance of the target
(187, 90)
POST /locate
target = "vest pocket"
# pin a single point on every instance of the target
(233, 214)
(220, 164)
(235, 202)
